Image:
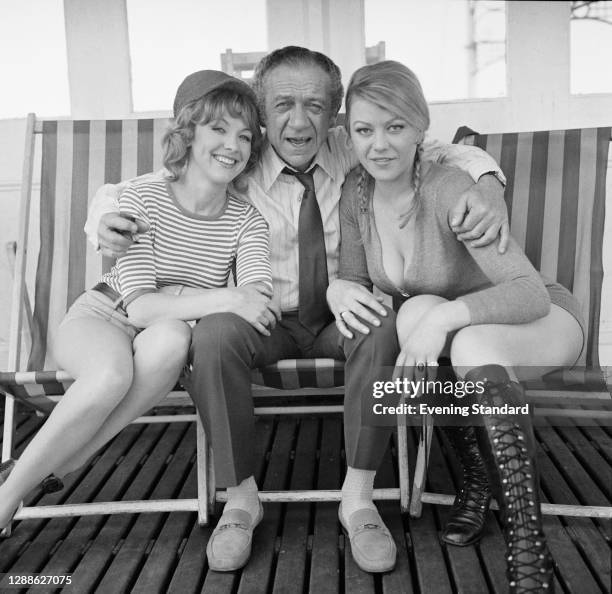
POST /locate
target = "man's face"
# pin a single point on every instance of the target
(298, 112)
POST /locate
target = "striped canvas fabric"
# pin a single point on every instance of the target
(35, 387)
(77, 158)
(556, 203)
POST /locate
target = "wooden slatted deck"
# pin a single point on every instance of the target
(299, 548)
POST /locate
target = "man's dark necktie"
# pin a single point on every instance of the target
(313, 311)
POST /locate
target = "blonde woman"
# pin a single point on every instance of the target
(487, 311)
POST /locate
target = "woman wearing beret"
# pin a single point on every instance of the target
(126, 340)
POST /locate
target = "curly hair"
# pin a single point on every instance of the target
(295, 56)
(176, 142)
(393, 87)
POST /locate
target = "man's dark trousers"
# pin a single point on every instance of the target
(224, 350)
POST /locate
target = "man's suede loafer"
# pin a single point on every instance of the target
(372, 545)
(229, 546)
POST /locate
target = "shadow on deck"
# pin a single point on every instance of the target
(299, 548)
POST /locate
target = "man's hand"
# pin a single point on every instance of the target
(481, 215)
(253, 303)
(117, 233)
(351, 303)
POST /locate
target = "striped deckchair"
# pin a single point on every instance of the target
(555, 194)
(77, 158)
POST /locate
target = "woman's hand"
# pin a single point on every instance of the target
(253, 303)
(347, 300)
(418, 358)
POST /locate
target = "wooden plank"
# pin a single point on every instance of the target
(571, 569)
(190, 570)
(325, 559)
(600, 440)
(28, 531)
(432, 574)
(27, 426)
(491, 549)
(123, 570)
(356, 581)
(401, 578)
(291, 565)
(157, 571)
(73, 534)
(588, 457)
(574, 567)
(98, 556)
(575, 475)
(463, 562)
(578, 545)
(258, 575)
(220, 582)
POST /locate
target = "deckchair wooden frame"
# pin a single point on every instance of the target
(207, 495)
(420, 496)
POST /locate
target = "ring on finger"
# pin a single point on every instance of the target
(341, 314)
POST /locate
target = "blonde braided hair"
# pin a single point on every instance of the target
(365, 196)
(416, 184)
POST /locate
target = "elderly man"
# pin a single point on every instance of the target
(297, 187)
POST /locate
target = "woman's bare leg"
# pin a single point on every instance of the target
(531, 349)
(99, 356)
(160, 354)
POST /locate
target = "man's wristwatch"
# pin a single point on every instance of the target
(499, 176)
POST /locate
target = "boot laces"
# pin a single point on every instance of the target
(529, 563)
(474, 495)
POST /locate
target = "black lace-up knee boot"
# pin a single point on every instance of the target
(467, 517)
(509, 450)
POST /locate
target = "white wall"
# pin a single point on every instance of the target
(334, 27)
(99, 73)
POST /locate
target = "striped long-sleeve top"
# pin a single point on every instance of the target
(183, 248)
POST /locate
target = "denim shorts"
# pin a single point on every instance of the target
(93, 304)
